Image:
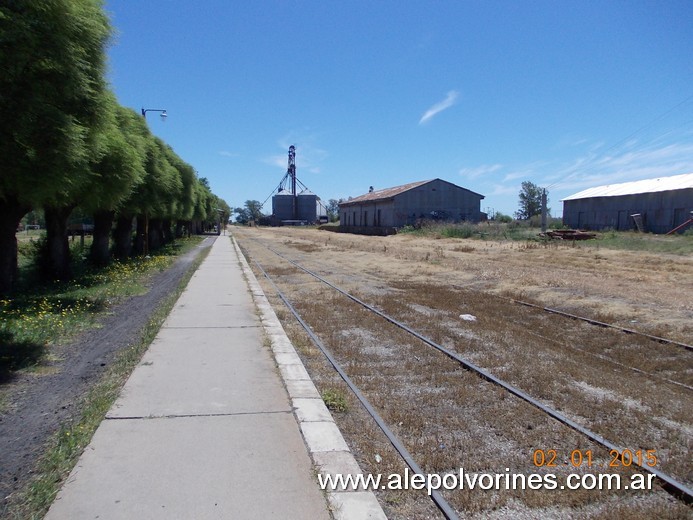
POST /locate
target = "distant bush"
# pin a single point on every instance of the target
(464, 230)
(534, 221)
(502, 218)
(555, 223)
(407, 229)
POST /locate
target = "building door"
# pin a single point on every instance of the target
(581, 219)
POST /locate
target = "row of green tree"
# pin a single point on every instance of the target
(66, 143)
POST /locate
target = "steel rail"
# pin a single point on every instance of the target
(437, 498)
(614, 362)
(671, 485)
(603, 324)
(600, 356)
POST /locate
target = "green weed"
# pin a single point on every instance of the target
(335, 400)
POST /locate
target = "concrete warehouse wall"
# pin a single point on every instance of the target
(437, 196)
(661, 211)
(378, 213)
(448, 201)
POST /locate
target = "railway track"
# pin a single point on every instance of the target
(602, 324)
(672, 485)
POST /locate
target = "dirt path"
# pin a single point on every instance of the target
(40, 404)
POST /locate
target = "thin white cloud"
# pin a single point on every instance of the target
(279, 161)
(632, 165)
(504, 189)
(516, 175)
(440, 106)
(571, 141)
(308, 155)
(525, 172)
(479, 171)
(226, 153)
(594, 165)
(577, 142)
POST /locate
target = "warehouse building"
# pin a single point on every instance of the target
(405, 205)
(652, 205)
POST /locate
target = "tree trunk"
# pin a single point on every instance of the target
(58, 247)
(155, 234)
(166, 229)
(140, 246)
(11, 213)
(100, 253)
(122, 236)
(179, 229)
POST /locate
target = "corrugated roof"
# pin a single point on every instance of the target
(675, 182)
(387, 193)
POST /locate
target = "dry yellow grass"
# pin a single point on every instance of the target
(446, 416)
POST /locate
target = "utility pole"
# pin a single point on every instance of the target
(543, 210)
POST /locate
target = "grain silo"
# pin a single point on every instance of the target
(290, 207)
(283, 206)
(307, 206)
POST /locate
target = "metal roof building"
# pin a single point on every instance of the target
(663, 204)
(401, 205)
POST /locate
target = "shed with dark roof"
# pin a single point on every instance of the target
(405, 205)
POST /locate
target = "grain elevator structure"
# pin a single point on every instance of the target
(291, 207)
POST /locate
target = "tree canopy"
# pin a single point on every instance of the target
(52, 96)
(66, 143)
(333, 209)
(252, 210)
(530, 201)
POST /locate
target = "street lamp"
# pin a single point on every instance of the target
(221, 215)
(164, 115)
(145, 246)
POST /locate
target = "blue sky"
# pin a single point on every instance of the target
(484, 94)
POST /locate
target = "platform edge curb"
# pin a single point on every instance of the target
(329, 453)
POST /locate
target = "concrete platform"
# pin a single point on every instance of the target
(205, 427)
(226, 466)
